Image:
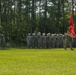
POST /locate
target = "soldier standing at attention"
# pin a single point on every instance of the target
(43, 40)
(54, 40)
(67, 41)
(28, 40)
(33, 40)
(52, 35)
(48, 42)
(39, 40)
(61, 40)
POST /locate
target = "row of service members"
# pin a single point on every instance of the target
(45, 40)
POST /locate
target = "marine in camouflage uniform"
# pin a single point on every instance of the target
(67, 41)
(57, 40)
(36, 41)
(61, 40)
(39, 40)
(28, 39)
(54, 40)
(52, 35)
(48, 41)
(33, 40)
(43, 40)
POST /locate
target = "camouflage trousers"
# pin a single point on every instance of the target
(67, 44)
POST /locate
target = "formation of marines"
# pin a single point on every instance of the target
(38, 40)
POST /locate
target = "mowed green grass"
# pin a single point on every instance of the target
(37, 62)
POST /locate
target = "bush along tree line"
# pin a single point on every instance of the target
(20, 17)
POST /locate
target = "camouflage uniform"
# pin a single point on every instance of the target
(36, 41)
(28, 39)
(52, 35)
(57, 40)
(67, 41)
(43, 40)
(54, 40)
(48, 41)
(33, 40)
(61, 40)
(39, 40)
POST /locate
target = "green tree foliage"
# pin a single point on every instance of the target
(19, 17)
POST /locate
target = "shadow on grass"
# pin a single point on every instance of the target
(5, 48)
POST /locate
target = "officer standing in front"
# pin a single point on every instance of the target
(67, 41)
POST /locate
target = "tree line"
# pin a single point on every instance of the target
(19, 17)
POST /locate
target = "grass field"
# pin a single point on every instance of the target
(37, 62)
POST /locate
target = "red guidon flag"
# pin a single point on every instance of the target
(71, 26)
